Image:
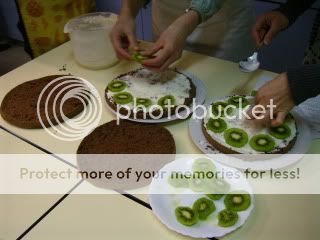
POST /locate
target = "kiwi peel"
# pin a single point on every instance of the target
(236, 137)
(217, 125)
(204, 207)
(238, 101)
(237, 201)
(262, 143)
(281, 132)
(123, 98)
(117, 86)
(186, 216)
(227, 218)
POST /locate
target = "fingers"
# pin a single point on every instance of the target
(281, 116)
(133, 43)
(273, 31)
(151, 50)
(159, 60)
(258, 28)
(166, 65)
(118, 43)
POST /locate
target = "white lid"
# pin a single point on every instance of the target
(91, 21)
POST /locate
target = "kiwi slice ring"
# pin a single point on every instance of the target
(281, 132)
(117, 86)
(236, 137)
(217, 125)
(238, 100)
(204, 207)
(203, 165)
(237, 201)
(123, 98)
(227, 218)
(218, 109)
(262, 143)
(145, 102)
(186, 216)
(166, 101)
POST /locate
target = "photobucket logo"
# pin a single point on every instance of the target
(69, 95)
(182, 112)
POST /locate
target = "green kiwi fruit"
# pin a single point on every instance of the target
(203, 165)
(236, 137)
(138, 57)
(227, 218)
(218, 109)
(217, 125)
(117, 86)
(215, 197)
(178, 180)
(281, 132)
(198, 182)
(253, 93)
(237, 201)
(217, 186)
(262, 143)
(238, 100)
(204, 207)
(123, 98)
(168, 100)
(146, 102)
(186, 216)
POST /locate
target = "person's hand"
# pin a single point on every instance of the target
(268, 26)
(168, 48)
(279, 91)
(123, 37)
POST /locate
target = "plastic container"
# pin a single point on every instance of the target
(89, 36)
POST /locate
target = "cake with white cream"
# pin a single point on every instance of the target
(234, 134)
(146, 94)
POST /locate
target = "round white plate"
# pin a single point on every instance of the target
(280, 161)
(164, 199)
(201, 94)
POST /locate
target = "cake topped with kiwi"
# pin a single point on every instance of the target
(236, 135)
(149, 93)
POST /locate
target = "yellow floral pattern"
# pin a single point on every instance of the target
(44, 21)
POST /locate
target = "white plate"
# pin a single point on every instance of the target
(163, 204)
(201, 94)
(280, 161)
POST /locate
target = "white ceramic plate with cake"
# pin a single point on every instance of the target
(259, 147)
(156, 97)
(188, 207)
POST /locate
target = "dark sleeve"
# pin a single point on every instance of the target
(292, 9)
(304, 82)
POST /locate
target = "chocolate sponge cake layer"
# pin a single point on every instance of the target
(128, 138)
(19, 106)
(155, 113)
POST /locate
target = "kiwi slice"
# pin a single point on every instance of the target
(146, 102)
(117, 86)
(178, 180)
(197, 182)
(236, 137)
(166, 101)
(204, 207)
(227, 218)
(237, 201)
(186, 216)
(138, 57)
(238, 101)
(203, 165)
(123, 98)
(217, 186)
(281, 132)
(262, 143)
(217, 125)
(218, 109)
(215, 197)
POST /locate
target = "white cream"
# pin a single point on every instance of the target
(147, 84)
(250, 129)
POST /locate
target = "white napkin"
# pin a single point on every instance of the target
(309, 110)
